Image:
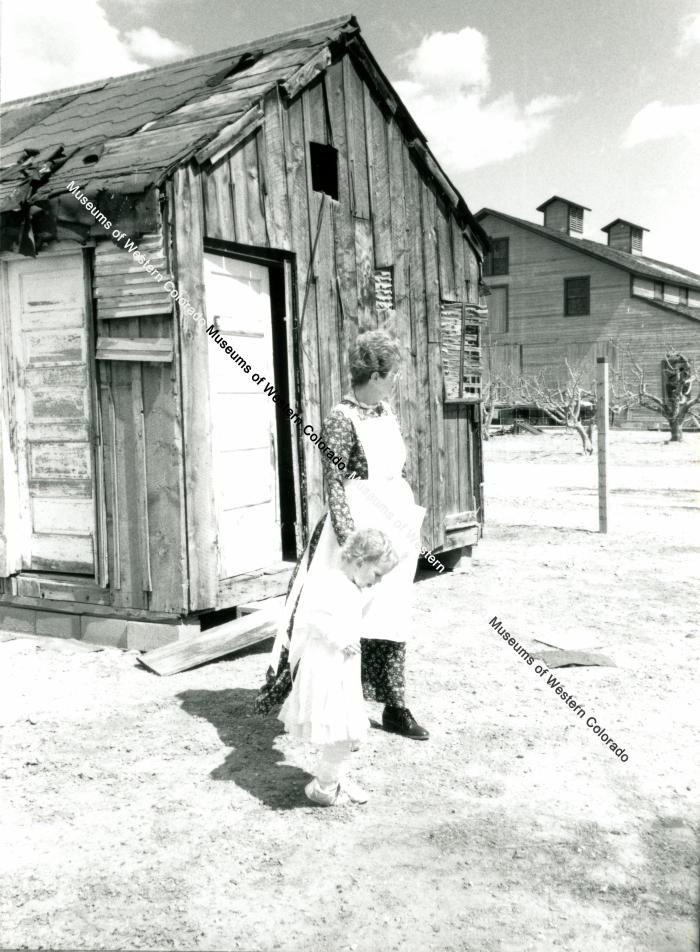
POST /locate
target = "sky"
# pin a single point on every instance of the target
(594, 100)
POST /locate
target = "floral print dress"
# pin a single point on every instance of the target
(382, 661)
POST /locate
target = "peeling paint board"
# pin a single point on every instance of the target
(56, 551)
(213, 644)
(142, 348)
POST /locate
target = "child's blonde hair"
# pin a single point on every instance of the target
(369, 545)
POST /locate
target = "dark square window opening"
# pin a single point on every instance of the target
(577, 296)
(658, 290)
(497, 259)
(683, 295)
(324, 169)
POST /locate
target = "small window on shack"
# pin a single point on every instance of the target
(324, 169)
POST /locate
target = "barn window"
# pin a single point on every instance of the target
(658, 290)
(496, 260)
(324, 169)
(460, 346)
(384, 288)
(683, 296)
(577, 296)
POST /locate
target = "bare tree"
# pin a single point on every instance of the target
(680, 390)
(499, 388)
(562, 402)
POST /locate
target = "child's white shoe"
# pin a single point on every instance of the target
(325, 798)
(353, 792)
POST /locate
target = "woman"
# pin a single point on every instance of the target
(370, 493)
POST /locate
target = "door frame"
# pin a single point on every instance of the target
(281, 266)
(10, 475)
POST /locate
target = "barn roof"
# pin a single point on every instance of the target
(634, 264)
(128, 132)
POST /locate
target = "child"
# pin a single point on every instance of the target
(326, 705)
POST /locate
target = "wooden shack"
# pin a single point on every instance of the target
(280, 195)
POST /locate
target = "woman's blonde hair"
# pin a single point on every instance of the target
(373, 351)
(369, 545)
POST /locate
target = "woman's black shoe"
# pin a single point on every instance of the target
(399, 720)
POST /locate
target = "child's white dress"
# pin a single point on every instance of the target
(326, 703)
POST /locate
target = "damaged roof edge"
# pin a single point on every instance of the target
(348, 19)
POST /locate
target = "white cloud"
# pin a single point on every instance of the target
(48, 45)
(658, 121)
(447, 94)
(444, 60)
(149, 44)
(690, 34)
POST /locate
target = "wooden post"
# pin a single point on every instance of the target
(602, 414)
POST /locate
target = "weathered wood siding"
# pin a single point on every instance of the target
(141, 432)
(617, 320)
(390, 217)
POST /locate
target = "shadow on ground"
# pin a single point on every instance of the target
(252, 762)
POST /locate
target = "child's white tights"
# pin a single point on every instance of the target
(333, 764)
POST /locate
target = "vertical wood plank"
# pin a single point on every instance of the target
(100, 541)
(140, 475)
(308, 345)
(399, 225)
(378, 165)
(419, 330)
(164, 466)
(448, 289)
(435, 385)
(126, 512)
(239, 193)
(257, 229)
(324, 265)
(357, 152)
(453, 468)
(342, 214)
(198, 450)
(212, 202)
(277, 211)
(219, 199)
(364, 250)
(458, 263)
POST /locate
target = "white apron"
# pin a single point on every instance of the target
(384, 501)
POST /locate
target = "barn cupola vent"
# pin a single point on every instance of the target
(625, 236)
(563, 215)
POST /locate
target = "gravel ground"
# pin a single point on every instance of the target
(157, 813)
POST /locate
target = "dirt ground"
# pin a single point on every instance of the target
(156, 813)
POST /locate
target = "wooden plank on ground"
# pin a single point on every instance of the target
(213, 644)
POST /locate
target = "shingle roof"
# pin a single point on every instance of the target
(128, 132)
(634, 264)
(147, 120)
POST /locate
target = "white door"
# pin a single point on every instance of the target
(244, 426)
(48, 319)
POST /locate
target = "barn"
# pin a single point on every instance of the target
(258, 206)
(555, 296)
